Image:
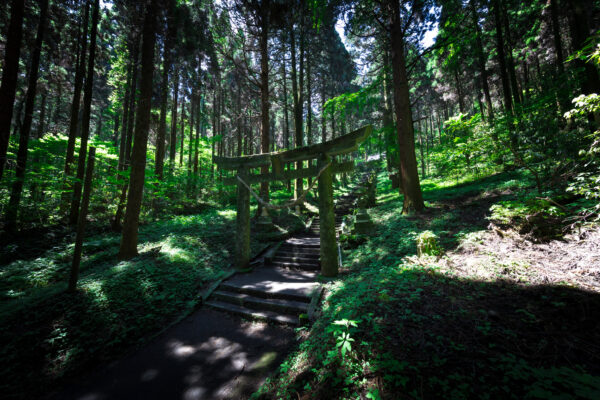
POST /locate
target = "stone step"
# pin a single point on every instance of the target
(274, 283)
(296, 258)
(290, 307)
(304, 244)
(268, 316)
(296, 265)
(293, 246)
(310, 254)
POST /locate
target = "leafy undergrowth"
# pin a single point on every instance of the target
(396, 326)
(48, 335)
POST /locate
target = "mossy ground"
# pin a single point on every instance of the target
(419, 328)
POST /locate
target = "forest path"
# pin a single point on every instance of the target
(214, 353)
(209, 355)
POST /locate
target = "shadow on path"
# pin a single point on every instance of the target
(209, 355)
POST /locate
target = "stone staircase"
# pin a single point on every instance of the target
(285, 290)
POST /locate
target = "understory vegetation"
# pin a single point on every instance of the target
(471, 322)
(49, 335)
(124, 124)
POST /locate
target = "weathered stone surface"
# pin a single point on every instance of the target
(242, 245)
(363, 223)
(329, 253)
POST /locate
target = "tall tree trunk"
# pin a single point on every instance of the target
(560, 60)
(501, 57)
(297, 89)
(128, 134)
(164, 93)
(481, 62)
(514, 84)
(116, 122)
(123, 140)
(390, 139)
(239, 121)
(308, 103)
(8, 88)
(85, 121)
(286, 136)
(580, 32)
(199, 127)
(17, 186)
(323, 119)
(264, 90)
(182, 134)
(191, 143)
(129, 238)
(286, 120)
(41, 126)
(413, 198)
(461, 101)
(173, 141)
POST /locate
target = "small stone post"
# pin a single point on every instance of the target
(242, 245)
(329, 251)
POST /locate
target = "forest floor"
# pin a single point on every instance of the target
(501, 314)
(49, 336)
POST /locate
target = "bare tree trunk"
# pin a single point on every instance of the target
(461, 103)
(129, 238)
(164, 93)
(481, 62)
(41, 120)
(127, 137)
(580, 32)
(323, 119)
(191, 143)
(75, 104)
(239, 121)
(17, 186)
(560, 60)
(413, 198)
(501, 57)
(297, 86)
(182, 122)
(8, 88)
(264, 90)
(173, 141)
(199, 127)
(514, 84)
(87, 189)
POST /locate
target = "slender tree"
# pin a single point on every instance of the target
(85, 120)
(129, 238)
(8, 88)
(17, 186)
(75, 103)
(164, 91)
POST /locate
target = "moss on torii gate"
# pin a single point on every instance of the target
(326, 167)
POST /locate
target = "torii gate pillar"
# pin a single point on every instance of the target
(329, 253)
(242, 242)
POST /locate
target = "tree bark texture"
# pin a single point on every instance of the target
(8, 88)
(17, 186)
(129, 238)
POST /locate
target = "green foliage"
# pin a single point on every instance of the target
(118, 304)
(341, 331)
(427, 244)
(586, 182)
(413, 325)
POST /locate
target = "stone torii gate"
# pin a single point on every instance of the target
(324, 171)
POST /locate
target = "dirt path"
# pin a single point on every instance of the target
(209, 355)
